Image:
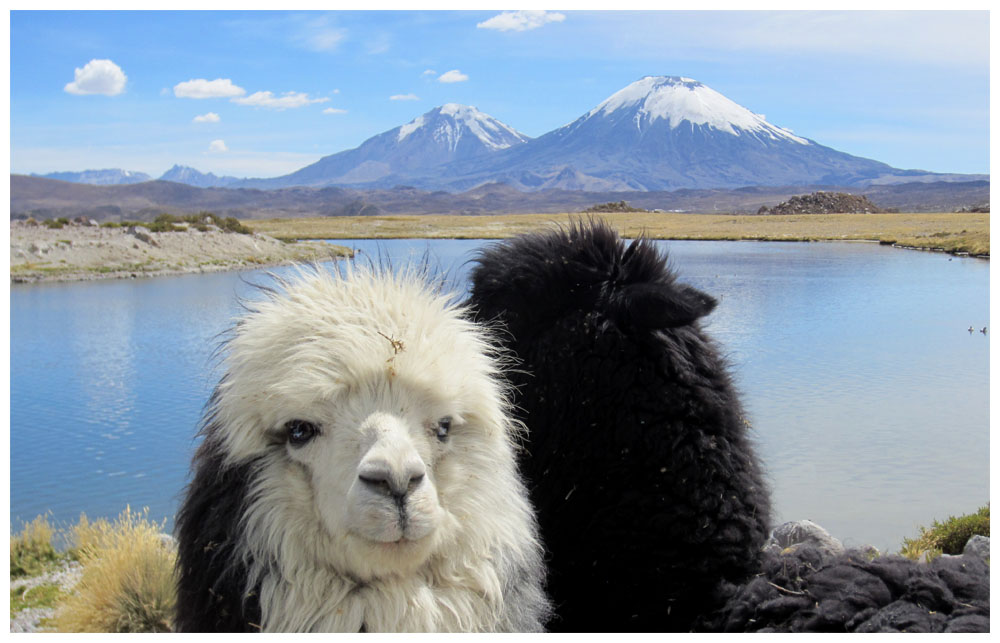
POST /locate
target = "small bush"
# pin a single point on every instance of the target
(948, 537)
(232, 224)
(54, 224)
(162, 226)
(111, 224)
(31, 550)
(128, 578)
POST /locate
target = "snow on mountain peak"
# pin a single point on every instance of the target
(677, 99)
(450, 121)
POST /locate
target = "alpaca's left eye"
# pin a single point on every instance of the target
(444, 425)
(299, 432)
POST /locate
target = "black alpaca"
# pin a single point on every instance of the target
(651, 502)
(648, 491)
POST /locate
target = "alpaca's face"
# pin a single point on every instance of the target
(370, 464)
(373, 412)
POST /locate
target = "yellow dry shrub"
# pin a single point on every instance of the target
(128, 578)
(31, 549)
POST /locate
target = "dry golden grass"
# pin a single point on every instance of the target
(31, 549)
(128, 578)
(953, 232)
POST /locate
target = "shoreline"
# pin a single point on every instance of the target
(77, 276)
(88, 252)
(957, 233)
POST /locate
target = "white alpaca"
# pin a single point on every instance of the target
(358, 471)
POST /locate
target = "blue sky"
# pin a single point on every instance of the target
(265, 93)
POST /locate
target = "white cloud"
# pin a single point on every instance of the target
(201, 88)
(210, 117)
(334, 110)
(319, 34)
(97, 77)
(379, 44)
(288, 100)
(520, 20)
(218, 145)
(404, 97)
(453, 76)
(429, 72)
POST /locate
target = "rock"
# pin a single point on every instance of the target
(28, 620)
(142, 234)
(168, 542)
(824, 203)
(982, 207)
(788, 537)
(978, 546)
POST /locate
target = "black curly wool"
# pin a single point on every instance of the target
(211, 577)
(804, 592)
(648, 491)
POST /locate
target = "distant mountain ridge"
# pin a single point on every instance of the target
(113, 176)
(45, 199)
(191, 176)
(659, 133)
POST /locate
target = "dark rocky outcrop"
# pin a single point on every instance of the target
(824, 203)
(620, 206)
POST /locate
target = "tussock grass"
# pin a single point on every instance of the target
(951, 232)
(948, 537)
(128, 580)
(31, 549)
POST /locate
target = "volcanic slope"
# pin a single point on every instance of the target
(450, 133)
(666, 133)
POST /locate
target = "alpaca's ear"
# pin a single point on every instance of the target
(655, 306)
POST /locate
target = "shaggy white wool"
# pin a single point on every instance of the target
(382, 365)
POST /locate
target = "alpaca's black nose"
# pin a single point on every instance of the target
(391, 483)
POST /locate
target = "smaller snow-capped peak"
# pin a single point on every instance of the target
(450, 121)
(677, 99)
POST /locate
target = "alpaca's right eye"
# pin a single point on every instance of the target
(300, 431)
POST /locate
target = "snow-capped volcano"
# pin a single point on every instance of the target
(665, 133)
(449, 123)
(450, 133)
(677, 100)
(657, 133)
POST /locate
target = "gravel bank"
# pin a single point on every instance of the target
(84, 252)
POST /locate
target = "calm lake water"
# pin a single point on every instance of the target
(868, 396)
